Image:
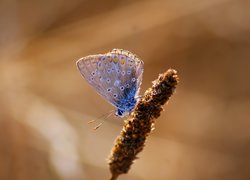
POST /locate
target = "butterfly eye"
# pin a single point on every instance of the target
(123, 73)
(103, 58)
(93, 73)
(118, 71)
(127, 85)
(115, 95)
(109, 89)
(128, 72)
(133, 79)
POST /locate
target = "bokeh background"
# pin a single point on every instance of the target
(45, 105)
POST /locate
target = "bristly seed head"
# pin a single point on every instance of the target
(135, 130)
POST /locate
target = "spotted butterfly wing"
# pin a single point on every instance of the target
(116, 76)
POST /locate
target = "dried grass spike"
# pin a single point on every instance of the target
(135, 130)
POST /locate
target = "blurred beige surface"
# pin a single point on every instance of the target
(45, 104)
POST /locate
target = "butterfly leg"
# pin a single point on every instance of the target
(95, 128)
(91, 121)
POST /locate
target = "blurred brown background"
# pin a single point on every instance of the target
(203, 134)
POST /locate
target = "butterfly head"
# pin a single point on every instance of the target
(120, 113)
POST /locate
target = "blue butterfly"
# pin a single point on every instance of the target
(116, 76)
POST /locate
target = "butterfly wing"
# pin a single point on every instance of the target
(116, 75)
(93, 68)
(129, 78)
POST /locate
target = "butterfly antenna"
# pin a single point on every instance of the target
(103, 117)
(107, 116)
(91, 121)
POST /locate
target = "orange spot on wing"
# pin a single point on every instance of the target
(115, 60)
(122, 61)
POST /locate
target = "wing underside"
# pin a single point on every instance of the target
(113, 74)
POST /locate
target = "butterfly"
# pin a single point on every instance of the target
(116, 76)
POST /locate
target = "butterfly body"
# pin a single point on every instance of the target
(116, 76)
